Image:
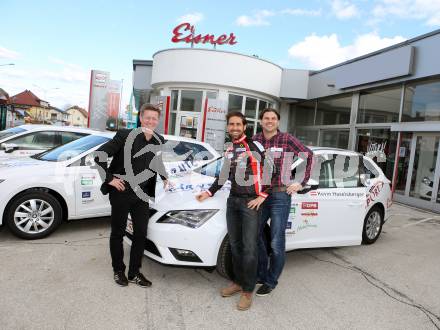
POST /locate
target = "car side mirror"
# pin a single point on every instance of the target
(9, 147)
(311, 185)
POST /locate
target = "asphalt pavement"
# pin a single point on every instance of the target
(65, 282)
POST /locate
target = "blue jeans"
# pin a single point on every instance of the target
(276, 207)
(243, 236)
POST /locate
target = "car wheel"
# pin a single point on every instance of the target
(372, 225)
(34, 215)
(224, 259)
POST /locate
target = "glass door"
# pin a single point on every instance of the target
(423, 164)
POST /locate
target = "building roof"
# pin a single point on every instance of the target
(26, 98)
(81, 110)
(3, 95)
(56, 109)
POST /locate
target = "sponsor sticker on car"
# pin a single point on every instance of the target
(309, 205)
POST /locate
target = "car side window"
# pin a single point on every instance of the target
(175, 151)
(67, 137)
(369, 170)
(339, 171)
(36, 141)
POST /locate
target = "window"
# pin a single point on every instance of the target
(235, 102)
(174, 98)
(379, 144)
(250, 109)
(175, 151)
(67, 137)
(191, 101)
(302, 114)
(36, 141)
(333, 111)
(307, 137)
(338, 171)
(73, 149)
(334, 138)
(379, 106)
(422, 101)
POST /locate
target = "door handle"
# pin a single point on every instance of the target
(355, 204)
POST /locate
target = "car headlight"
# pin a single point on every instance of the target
(426, 181)
(187, 218)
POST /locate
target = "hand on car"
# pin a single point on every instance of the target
(201, 197)
(255, 203)
(293, 188)
(118, 184)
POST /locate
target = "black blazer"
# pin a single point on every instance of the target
(151, 159)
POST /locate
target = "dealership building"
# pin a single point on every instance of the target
(385, 104)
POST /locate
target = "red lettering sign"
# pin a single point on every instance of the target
(185, 32)
(309, 205)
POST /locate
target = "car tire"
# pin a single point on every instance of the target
(224, 259)
(373, 223)
(34, 215)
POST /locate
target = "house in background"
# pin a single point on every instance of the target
(77, 116)
(35, 110)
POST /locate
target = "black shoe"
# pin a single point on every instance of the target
(120, 279)
(264, 290)
(140, 280)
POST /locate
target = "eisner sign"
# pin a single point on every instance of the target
(185, 32)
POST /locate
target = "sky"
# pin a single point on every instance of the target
(55, 44)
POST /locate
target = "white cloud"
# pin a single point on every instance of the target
(301, 12)
(427, 10)
(344, 9)
(8, 53)
(192, 18)
(259, 18)
(318, 52)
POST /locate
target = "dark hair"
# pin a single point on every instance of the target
(269, 110)
(148, 107)
(236, 114)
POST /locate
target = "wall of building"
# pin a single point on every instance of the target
(217, 68)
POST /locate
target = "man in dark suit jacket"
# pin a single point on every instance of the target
(130, 181)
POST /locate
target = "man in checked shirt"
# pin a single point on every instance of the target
(281, 148)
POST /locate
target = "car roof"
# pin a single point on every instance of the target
(327, 150)
(39, 127)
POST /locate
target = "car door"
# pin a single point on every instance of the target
(29, 144)
(332, 214)
(89, 199)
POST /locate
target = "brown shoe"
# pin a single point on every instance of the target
(230, 290)
(245, 301)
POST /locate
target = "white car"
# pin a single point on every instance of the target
(37, 193)
(346, 204)
(27, 140)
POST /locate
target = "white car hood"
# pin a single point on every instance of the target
(20, 166)
(184, 189)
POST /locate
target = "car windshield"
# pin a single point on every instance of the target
(11, 131)
(211, 169)
(72, 149)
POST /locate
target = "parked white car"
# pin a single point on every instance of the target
(37, 193)
(27, 140)
(346, 204)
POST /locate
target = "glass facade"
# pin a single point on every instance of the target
(326, 122)
(379, 106)
(422, 101)
(380, 145)
(333, 111)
